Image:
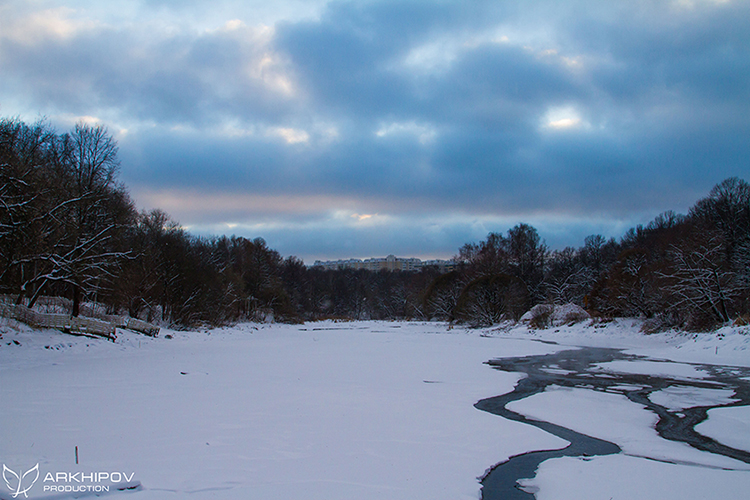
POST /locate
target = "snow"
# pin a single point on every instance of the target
(729, 426)
(660, 368)
(370, 411)
(727, 346)
(677, 397)
(614, 418)
(626, 477)
(558, 314)
(366, 410)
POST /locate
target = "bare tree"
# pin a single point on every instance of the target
(490, 299)
(727, 208)
(88, 209)
(630, 288)
(701, 281)
(568, 278)
(442, 295)
(27, 205)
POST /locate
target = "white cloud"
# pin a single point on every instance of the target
(235, 129)
(290, 135)
(370, 219)
(60, 23)
(424, 133)
(437, 55)
(233, 25)
(264, 63)
(554, 56)
(564, 123)
(347, 217)
(561, 118)
(691, 4)
(70, 120)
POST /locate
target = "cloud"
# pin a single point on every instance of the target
(58, 24)
(562, 117)
(144, 75)
(423, 133)
(290, 135)
(397, 115)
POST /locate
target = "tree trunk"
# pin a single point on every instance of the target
(76, 300)
(36, 295)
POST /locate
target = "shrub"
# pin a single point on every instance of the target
(546, 315)
(540, 316)
(701, 321)
(569, 314)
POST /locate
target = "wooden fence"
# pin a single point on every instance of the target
(77, 325)
(134, 324)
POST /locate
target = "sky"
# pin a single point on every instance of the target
(338, 129)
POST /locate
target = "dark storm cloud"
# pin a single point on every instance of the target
(460, 117)
(489, 103)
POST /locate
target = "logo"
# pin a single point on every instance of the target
(68, 482)
(15, 482)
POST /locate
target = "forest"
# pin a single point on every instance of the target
(69, 229)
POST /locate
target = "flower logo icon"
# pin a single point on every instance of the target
(12, 478)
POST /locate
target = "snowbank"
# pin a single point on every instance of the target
(729, 345)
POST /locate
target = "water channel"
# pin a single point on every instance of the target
(578, 368)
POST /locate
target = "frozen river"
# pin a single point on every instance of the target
(378, 410)
(591, 369)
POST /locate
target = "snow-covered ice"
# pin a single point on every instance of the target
(631, 478)
(729, 426)
(367, 410)
(664, 369)
(614, 418)
(323, 411)
(678, 397)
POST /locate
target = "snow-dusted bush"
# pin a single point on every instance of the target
(547, 315)
(655, 325)
(571, 313)
(539, 316)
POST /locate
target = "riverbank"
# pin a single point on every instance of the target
(729, 345)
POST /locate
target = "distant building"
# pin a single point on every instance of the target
(390, 263)
(444, 266)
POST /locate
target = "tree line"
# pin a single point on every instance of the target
(68, 228)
